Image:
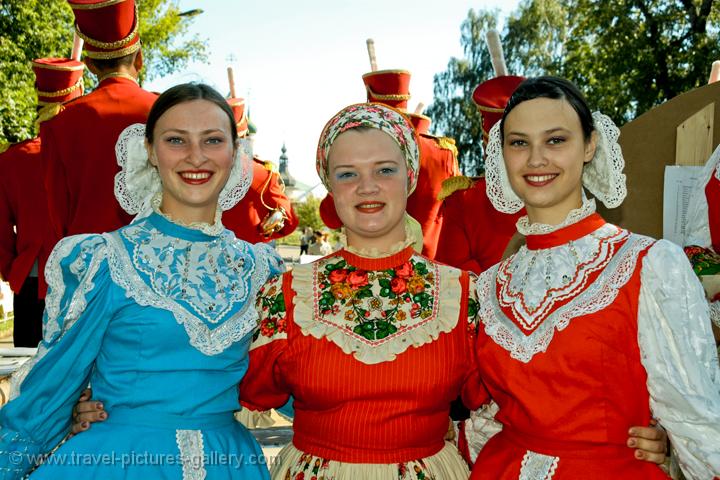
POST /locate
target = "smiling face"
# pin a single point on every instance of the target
(544, 150)
(368, 181)
(193, 151)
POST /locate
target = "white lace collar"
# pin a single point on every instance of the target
(526, 228)
(410, 239)
(214, 230)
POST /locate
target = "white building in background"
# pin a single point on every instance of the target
(294, 189)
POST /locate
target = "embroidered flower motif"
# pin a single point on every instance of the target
(337, 276)
(398, 286)
(400, 293)
(272, 303)
(357, 279)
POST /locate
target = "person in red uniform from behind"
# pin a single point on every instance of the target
(265, 213)
(25, 234)
(474, 235)
(79, 144)
(438, 158)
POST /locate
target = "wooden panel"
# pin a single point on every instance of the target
(649, 144)
(694, 138)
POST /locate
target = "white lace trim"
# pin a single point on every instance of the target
(138, 181)
(445, 316)
(207, 276)
(526, 228)
(536, 466)
(214, 230)
(192, 454)
(598, 295)
(602, 176)
(92, 253)
(206, 340)
(715, 313)
(532, 281)
(498, 188)
(413, 236)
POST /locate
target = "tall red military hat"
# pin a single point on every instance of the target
(420, 122)
(241, 119)
(109, 27)
(491, 97)
(391, 87)
(57, 80)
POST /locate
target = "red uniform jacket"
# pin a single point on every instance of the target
(245, 218)
(25, 233)
(474, 235)
(79, 156)
(437, 163)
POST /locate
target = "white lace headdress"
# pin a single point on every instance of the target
(602, 176)
(138, 180)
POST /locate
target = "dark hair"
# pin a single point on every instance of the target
(555, 88)
(112, 64)
(187, 92)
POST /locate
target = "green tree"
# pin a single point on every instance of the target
(452, 110)
(29, 29)
(308, 213)
(166, 48)
(32, 29)
(626, 55)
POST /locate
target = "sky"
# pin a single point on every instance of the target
(297, 63)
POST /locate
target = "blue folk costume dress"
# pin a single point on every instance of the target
(157, 317)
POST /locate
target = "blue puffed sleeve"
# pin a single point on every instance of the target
(78, 308)
(270, 263)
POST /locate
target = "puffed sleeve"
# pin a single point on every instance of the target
(474, 432)
(263, 388)
(78, 309)
(678, 352)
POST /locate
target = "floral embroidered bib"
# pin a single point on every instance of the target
(376, 308)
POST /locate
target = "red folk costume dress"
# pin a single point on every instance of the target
(79, 144)
(588, 330)
(373, 350)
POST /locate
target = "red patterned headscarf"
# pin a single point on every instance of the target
(373, 115)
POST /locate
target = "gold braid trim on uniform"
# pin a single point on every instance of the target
(390, 97)
(110, 45)
(48, 111)
(453, 184)
(448, 144)
(483, 108)
(63, 92)
(113, 54)
(117, 75)
(93, 6)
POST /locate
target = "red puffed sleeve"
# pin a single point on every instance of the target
(263, 387)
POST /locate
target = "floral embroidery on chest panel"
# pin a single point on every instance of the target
(375, 306)
(532, 284)
(209, 278)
